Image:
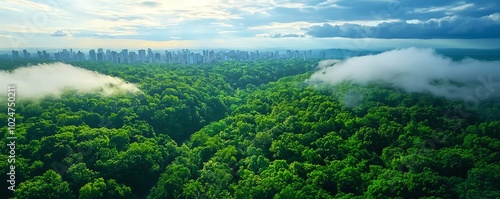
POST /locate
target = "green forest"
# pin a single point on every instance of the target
(249, 130)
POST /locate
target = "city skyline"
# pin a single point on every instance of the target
(215, 24)
(182, 56)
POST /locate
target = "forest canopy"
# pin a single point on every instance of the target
(249, 130)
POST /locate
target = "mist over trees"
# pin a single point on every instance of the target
(251, 130)
(54, 78)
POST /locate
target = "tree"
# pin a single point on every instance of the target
(109, 189)
(481, 183)
(80, 175)
(48, 185)
(170, 184)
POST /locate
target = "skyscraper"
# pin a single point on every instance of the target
(92, 55)
(100, 55)
(15, 54)
(26, 54)
(168, 56)
(150, 56)
(132, 57)
(80, 56)
(142, 55)
(124, 56)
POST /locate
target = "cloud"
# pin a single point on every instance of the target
(61, 33)
(419, 70)
(459, 6)
(103, 36)
(494, 17)
(52, 79)
(279, 35)
(345, 30)
(447, 27)
(150, 4)
(327, 63)
(153, 20)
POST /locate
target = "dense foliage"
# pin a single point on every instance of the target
(251, 130)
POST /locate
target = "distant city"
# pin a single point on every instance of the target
(183, 56)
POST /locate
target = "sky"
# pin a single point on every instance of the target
(298, 24)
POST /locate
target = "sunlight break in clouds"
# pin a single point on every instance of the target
(418, 70)
(52, 79)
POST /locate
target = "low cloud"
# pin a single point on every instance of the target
(418, 70)
(103, 36)
(327, 63)
(150, 4)
(279, 35)
(52, 79)
(61, 33)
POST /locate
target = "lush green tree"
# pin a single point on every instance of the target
(251, 130)
(104, 189)
(80, 175)
(48, 185)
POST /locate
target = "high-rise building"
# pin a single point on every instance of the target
(322, 55)
(15, 54)
(92, 55)
(64, 55)
(132, 57)
(80, 56)
(113, 56)
(124, 56)
(45, 55)
(39, 54)
(100, 55)
(26, 54)
(157, 57)
(58, 56)
(150, 56)
(168, 56)
(142, 55)
(107, 57)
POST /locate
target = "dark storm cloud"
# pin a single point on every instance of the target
(448, 27)
(470, 18)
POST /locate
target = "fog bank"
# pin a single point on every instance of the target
(417, 70)
(52, 79)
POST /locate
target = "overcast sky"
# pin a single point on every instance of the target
(362, 24)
